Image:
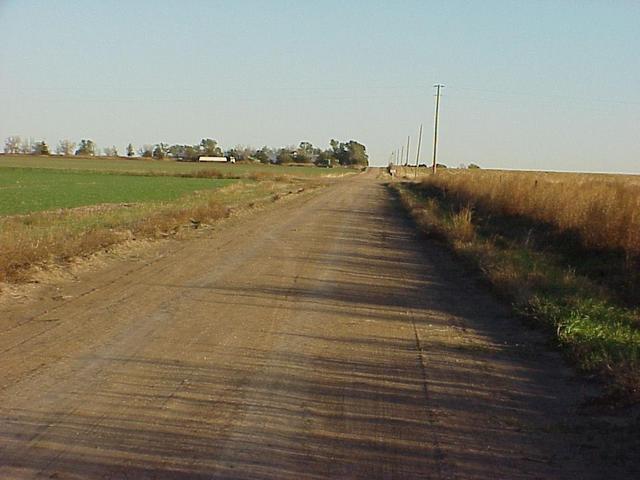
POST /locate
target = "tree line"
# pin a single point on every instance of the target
(349, 153)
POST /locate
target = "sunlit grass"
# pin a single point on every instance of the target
(598, 332)
(25, 190)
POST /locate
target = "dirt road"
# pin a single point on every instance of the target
(318, 339)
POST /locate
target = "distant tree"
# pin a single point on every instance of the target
(182, 152)
(248, 154)
(305, 153)
(192, 152)
(12, 144)
(441, 166)
(338, 151)
(241, 153)
(473, 166)
(130, 151)
(86, 148)
(350, 153)
(177, 151)
(264, 155)
(160, 151)
(187, 153)
(146, 151)
(111, 151)
(284, 156)
(65, 147)
(41, 148)
(210, 148)
(356, 154)
(324, 158)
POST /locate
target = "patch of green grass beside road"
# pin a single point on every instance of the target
(25, 190)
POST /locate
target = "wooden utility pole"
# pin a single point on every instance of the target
(418, 152)
(435, 126)
(406, 162)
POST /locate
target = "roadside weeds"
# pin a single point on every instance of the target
(39, 240)
(598, 334)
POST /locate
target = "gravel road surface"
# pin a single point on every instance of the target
(319, 338)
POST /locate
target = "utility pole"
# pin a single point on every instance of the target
(406, 162)
(401, 156)
(435, 126)
(418, 152)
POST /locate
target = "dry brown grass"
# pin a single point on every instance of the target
(588, 300)
(602, 210)
(209, 173)
(39, 238)
(42, 238)
(461, 222)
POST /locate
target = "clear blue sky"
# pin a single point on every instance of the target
(529, 84)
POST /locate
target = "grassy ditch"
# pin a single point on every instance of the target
(40, 239)
(526, 262)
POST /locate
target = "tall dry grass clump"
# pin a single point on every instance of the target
(39, 238)
(505, 227)
(603, 211)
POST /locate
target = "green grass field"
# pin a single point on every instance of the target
(25, 190)
(148, 166)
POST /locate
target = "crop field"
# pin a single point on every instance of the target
(25, 190)
(166, 167)
(47, 237)
(123, 198)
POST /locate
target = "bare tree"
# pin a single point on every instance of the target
(12, 144)
(65, 147)
(111, 151)
(26, 146)
(146, 151)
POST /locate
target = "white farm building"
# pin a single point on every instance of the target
(217, 159)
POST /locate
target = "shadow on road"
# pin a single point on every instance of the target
(493, 393)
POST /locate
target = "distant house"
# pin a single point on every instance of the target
(217, 159)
